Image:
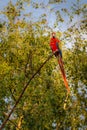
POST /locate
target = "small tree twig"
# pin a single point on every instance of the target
(12, 94)
(25, 87)
(11, 121)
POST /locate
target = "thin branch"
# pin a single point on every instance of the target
(29, 61)
(20, 122)
(12, 94)
(28, 56)
(25, 87)
(14, 124)
(11, 121)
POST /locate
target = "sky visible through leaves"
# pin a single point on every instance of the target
(25, 30)
(37, 12)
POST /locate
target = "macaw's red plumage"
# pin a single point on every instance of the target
(54, 43)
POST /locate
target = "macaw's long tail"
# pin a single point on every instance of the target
(63, 74)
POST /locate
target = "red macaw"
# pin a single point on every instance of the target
(54, 44)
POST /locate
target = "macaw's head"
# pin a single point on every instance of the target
(53, 34)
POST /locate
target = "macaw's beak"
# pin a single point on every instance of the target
(53, 36)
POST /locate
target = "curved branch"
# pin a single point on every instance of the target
(11, 121)
(25, 87)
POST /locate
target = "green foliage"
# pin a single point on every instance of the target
(23, 48)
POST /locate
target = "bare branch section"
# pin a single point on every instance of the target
(28, 64)
(19, 122)
(12, 121)
(25, 87)
(12, 94)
